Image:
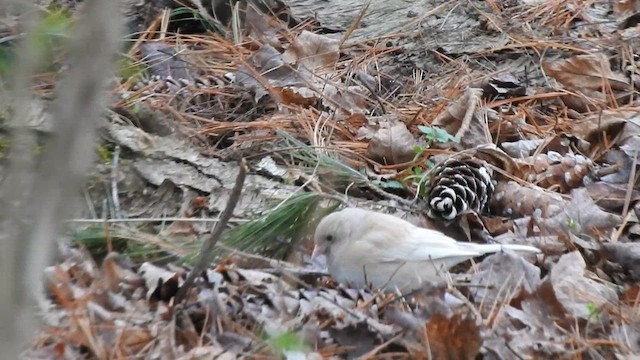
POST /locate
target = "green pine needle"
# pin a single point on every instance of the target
(340, 173)
(277, 233)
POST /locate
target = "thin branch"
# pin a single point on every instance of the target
(152, 219)
(209, 244)
(114, 182)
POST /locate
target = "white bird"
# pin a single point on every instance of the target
(364, 247)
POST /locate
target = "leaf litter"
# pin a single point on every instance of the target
(542, 94)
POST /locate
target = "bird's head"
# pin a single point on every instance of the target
(337, 229)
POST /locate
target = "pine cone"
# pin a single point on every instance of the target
(458, 186)
(554, 171)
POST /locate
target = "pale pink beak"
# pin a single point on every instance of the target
(317, 251)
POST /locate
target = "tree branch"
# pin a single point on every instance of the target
(216, 232)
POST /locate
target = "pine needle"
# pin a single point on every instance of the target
(280, 231)
(321, 162)
(277, 233)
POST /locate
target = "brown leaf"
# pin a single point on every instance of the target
(611, 197)
(541, 310)
(609, 122)
(266, 67)
(500, 86)
(455, 338)
(460, 119)
(116, 276)
(357, 337)
(290, 96)
(585, 72)
(161, 283)
(263, 27)
(164, 61)
(622, 7)
(313, 51)
(392, 145)
(582, 216)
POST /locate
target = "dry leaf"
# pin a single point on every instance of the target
(392, 145)
(611, 197)
(500, 86)
(579, 295)
(502, 276)
(454, 338)
(165, 62)
(313, 51)
(263, 27)
(161, 283)
(461, 118)
(590, 72)
(582, 216)
(626, 255)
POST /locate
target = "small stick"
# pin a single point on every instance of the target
(114, 182)
(210, 243)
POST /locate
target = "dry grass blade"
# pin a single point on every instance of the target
(356, 22)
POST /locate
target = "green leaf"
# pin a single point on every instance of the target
(287, 341)
(437, 134)
(389, 184)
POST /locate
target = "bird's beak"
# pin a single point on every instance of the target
(317, 251)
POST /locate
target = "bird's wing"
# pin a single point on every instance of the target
(395, 241)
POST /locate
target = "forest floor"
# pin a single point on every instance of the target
(306, 105)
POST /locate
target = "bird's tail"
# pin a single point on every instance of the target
(491, 248)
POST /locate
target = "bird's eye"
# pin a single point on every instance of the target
(329, 238)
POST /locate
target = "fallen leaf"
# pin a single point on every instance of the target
(392, 145)
(582, 72)
(582, 216)
(582, 297)
(502, 276)
(454, 338)
(313, 51)
(627, 255)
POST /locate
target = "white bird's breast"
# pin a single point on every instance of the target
(390, 275)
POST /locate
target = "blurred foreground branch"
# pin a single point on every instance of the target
(37, 195)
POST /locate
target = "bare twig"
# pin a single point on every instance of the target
(152, 219)
(209, 244)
